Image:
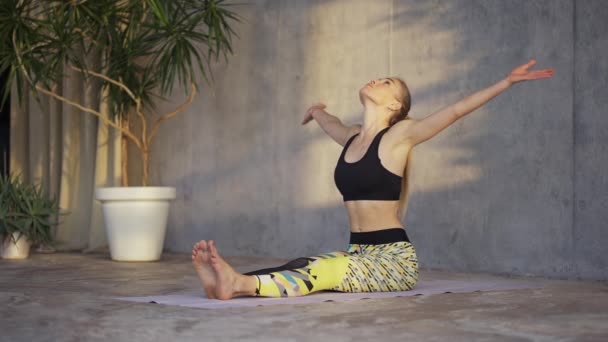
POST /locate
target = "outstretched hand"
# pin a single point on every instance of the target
(308, 114)
(521, 73)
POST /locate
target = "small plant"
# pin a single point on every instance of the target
(26, 210)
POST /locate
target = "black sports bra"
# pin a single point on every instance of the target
(366, 179)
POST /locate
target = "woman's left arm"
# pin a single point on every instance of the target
(426, 128)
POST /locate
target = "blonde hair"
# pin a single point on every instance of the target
(406, 103)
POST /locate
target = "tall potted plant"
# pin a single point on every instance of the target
(127, 50)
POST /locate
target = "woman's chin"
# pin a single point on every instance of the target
(364, 95)
(361, 97)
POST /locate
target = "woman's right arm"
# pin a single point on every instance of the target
(330, 124)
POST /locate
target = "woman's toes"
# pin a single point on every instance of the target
(215, 264)
(212, 248)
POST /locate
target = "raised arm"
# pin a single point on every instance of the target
(332, 125)
(417, 131)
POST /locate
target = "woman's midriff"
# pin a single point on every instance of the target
(366, 216)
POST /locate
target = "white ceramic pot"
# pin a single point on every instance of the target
(12, 250)
(135, 220)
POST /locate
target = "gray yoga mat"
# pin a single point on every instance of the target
(423, 287)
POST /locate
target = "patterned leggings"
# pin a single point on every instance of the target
(382, 260)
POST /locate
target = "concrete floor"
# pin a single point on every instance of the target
(63, 297)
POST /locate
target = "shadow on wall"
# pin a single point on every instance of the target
(491, 193)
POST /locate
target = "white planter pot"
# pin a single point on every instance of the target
(20, 250)
(135, 220)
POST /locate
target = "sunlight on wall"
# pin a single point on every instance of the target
(435, 169)
(329, 80)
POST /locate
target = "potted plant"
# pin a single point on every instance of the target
(26, 217)
(127, 50)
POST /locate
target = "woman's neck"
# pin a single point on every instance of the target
(375, 119)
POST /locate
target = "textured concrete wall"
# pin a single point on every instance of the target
(590, 196)
(518, 186)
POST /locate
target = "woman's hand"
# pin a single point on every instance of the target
(310, 111)
(521, 73)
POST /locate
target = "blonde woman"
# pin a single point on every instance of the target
(372, 176)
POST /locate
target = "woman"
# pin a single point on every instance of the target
(380, 256)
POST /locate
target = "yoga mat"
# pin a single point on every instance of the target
(423, 287)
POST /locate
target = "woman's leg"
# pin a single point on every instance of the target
(363, 268)
(311, 274)
(380, 268)
(307, 275)
(290, 265)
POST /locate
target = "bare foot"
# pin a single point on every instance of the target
(229, 283)
(201, 262)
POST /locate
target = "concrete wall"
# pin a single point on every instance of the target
(518, 186)
(590, 126)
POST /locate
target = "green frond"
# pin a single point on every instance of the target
(148, 45)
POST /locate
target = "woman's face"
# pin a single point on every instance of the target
(381, 91)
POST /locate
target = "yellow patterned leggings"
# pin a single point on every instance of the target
(376, 261)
